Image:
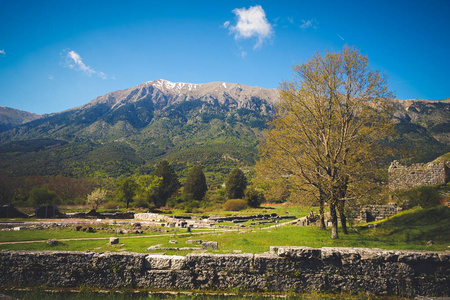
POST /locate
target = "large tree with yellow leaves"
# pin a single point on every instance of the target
(326, 135)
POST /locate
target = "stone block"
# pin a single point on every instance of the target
(210, 245)
(164, 262)
(113, 240)
(52, 242)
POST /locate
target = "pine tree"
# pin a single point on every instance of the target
(169, 184)
(196, 183)
(235, 184)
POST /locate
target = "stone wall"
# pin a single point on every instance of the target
(285, 269)
(370, 213)
(403, 177)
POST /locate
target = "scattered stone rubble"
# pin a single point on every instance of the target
(183, 222)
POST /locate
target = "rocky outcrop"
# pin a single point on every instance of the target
(285, 269)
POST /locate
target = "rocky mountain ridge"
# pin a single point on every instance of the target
(215, 124)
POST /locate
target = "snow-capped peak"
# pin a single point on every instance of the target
(174, 86)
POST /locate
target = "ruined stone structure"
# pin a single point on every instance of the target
(403, 177)
(285, 269)
(370, 213)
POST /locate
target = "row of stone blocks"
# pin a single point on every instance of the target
(285, 269)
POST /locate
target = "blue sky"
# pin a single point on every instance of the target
(55, 55)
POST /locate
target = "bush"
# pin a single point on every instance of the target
(235, 205)
(424, 196)
(113, 205)
(254, 198)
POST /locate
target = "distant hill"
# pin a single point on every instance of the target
(216, 125)
(10, 117)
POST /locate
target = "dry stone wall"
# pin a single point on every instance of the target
(371, 213)
(403, 177)
(285, 269)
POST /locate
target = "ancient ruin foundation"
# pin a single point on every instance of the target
(285, 269)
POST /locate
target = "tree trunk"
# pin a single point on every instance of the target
(322, 216)
(334, 220)
(340, 206)
(321, 210)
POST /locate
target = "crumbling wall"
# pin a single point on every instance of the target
(285, 269)
(370, 213)
(403, 177)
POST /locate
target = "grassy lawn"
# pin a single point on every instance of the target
(409, 230)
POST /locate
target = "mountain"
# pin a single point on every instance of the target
(216, 125)
(10, 117)
(424, 127)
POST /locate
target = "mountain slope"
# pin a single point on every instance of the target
(10, 117)
(216, 124)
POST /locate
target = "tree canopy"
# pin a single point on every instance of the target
(235, 184)
(126, 190)
(196, 183)
(40, 196)
(169, 184)
(327, 132)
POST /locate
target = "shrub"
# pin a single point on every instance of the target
(253, 197)
(113, 205)
(424, 196)
(235, 205)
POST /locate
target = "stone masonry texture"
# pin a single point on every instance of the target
(284, 269)
(403, 177)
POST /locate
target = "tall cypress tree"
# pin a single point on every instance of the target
(235, 184)
(169, 184)
(196, 183)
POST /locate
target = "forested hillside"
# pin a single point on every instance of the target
(215, 125)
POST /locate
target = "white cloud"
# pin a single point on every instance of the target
(50, 77)
(251, 23)
(226, 24)
(2, 52)
(309, 23)
(74, 61)
(340, 36)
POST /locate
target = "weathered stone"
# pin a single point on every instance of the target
(51, 242)
(402, 177)
(210, 245)
(295, 269)
(193, 241)
(371, 213)
(113, 240)
(162, 262)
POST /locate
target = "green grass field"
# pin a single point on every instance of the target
(409, 230)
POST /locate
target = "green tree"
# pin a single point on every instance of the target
(235, 184)
(253, 197)
(169, 184)
(147, 189)
(196, 183)
(126, 190)
(325, 136)
(97, 197)
(40, 196)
